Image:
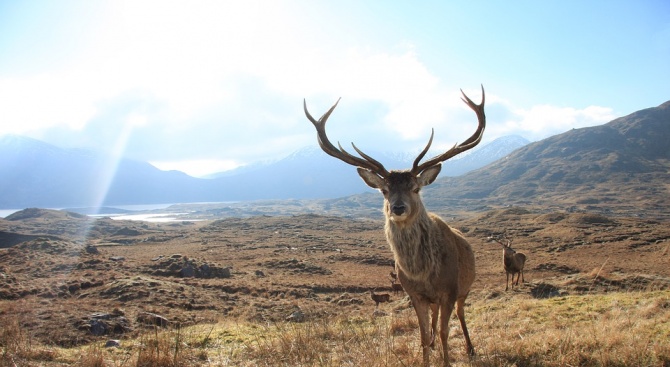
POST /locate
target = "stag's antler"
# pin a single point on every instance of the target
(456, 149)
(500, 241)
(341, 154)
(374, 165)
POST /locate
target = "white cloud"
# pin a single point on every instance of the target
(40, 101)
(220, 83)
(542, 121)
(188, 59)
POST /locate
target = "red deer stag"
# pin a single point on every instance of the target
(435, 263)
(513, 263)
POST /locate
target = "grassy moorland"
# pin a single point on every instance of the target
(597, 293)
(612, 329)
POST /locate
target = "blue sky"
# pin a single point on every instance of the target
(204, 86)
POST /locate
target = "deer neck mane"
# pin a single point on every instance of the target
(410, 242)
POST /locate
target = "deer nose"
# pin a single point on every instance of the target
(398, 209)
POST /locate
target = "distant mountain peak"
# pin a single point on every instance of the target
(619, 167)
(307, 151)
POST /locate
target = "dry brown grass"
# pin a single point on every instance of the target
(614, 329)
(617, 329)
(18, 348)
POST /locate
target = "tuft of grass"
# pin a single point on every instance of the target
(17, 347)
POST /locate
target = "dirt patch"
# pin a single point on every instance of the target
(584, 283)
(297, 266)
(558, 268)
(544, 290)
(590, 219)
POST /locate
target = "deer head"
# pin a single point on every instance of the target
(507, 245)
(400, 188)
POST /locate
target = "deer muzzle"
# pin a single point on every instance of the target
(398, 209)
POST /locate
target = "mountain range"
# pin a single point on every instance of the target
(621, 167)
(36, 174)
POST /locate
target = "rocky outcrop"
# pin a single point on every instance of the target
(184, 267)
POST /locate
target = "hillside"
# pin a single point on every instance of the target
(621, 167)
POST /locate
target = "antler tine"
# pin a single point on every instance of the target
(341, 154)
(481, 117)
(495, 239)
(423, 152)
(470, 143)
(379, 168)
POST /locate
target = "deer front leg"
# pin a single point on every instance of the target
(435, 311)
(421, 307)
(507, 282)
(446, 309)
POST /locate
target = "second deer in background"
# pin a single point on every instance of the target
(513, 262)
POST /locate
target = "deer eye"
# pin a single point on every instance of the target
(384, 191)
(416, 191)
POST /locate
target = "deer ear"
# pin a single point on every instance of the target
(429, 175)
(371, 179)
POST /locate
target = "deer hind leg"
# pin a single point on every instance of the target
(460, 312)
(522, 279)
(446, 310)
(517, 280)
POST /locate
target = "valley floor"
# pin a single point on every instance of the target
(294, 291)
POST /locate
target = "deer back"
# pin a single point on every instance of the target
(520, 259)
(512, 260)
